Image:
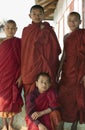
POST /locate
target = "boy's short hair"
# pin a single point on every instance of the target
(75, 14)
(44, 74)
(10, 21)
(37, 7)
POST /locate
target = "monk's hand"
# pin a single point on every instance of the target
(58, 77)
(35, 115)
(19, 82)
(83, 80)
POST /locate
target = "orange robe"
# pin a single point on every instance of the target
(72, 91)
(10, 95)
(39, 52)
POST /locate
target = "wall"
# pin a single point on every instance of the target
(60, 16)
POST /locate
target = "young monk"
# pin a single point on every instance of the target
(42, 105)
(40, 49)
(10, 79)
(72, 84)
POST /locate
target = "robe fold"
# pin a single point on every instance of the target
(10, 64)
(36, 101)
(39, 52)
(72, 91)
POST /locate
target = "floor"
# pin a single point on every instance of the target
(67, 126)
(19, 122)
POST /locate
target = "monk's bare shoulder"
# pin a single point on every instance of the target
(1, 40)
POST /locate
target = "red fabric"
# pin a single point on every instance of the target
(40, 50)
(53, 120)
(30, 124)
(9, 73)
(72, 92)
(38, 102)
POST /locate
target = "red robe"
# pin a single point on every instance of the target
(39, 52)
(10, 96)
(72, 91)
(36, 101)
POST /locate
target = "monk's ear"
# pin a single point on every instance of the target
(80, 21)
(30, 15)
(43, 17)
(16, 28)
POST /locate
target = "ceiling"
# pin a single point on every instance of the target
(49, 7)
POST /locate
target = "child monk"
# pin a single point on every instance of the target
(42, 105)
(10, 79)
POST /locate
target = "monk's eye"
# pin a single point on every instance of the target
(7, 28)
(42, 82)
(46, 83)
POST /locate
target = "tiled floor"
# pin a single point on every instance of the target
(67, 126)
(19, 122)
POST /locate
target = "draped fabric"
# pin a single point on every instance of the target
(10, 95)
(38, 102)
(39, 52)
(72, 91)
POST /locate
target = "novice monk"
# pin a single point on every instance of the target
(40, 49)
(42, 105)
(72, 84)
(10, 95)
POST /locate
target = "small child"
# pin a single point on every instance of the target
(10, 79)
(42, 105)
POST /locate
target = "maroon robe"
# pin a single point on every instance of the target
(39, 52)
(36, 101)
(72, 91)
(10, 95)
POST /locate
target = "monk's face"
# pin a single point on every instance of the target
(10, 30)
(36, 15)
(73, 22)
(43, 84)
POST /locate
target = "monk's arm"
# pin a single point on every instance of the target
(2, 39)
(60, 67)
(36, 115)
(83, 77)
(19, 81)
(83, 80)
